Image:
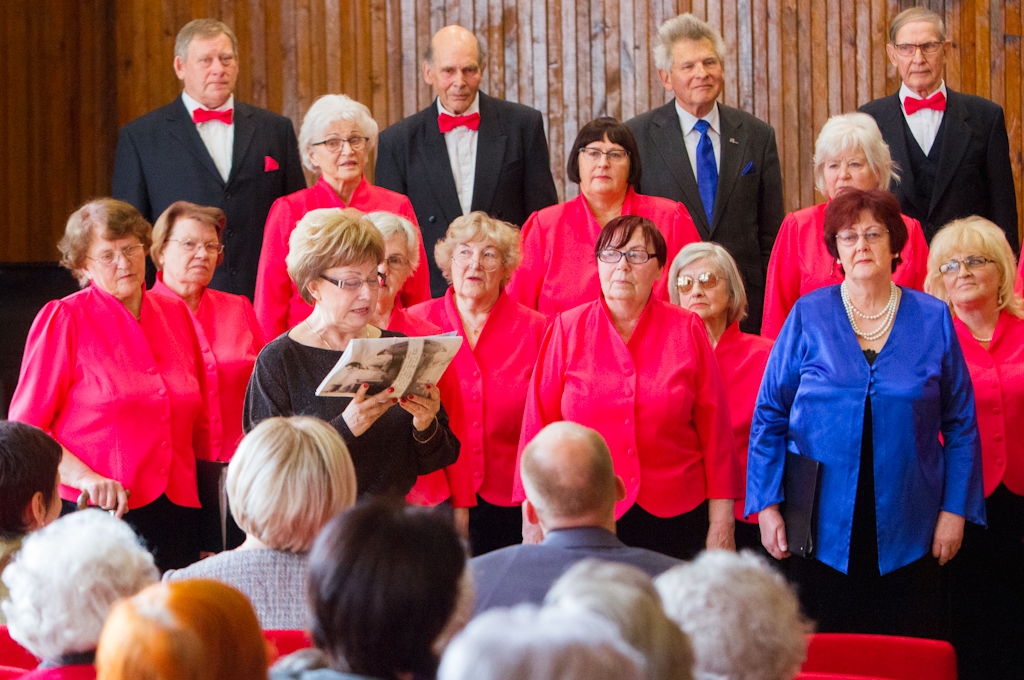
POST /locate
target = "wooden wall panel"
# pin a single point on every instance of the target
(74, 70)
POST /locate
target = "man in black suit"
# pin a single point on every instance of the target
(951, 148)
(208, 148)
(720, 162)
(466, 151)
(571, 491)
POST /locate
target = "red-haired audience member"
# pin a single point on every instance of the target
(740, 615)
(401, 259)
(184, 629)
(63, 584)
(116, 375)
(705, 280)
(642, 373)
(849, 153)
(337, 137)
(29, 487)
(971, 267)
(289, 478)
(388, 588)
(558, 270)
(500, 343)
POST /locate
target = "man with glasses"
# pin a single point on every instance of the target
(207, 148)
(951, 148)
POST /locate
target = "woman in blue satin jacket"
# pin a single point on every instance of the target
(865, 377)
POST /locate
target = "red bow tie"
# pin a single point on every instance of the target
(448, 123)
(203, 115)
(937, 101)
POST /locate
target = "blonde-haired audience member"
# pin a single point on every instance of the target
(741, 616)
(289, 477)
(199, 628)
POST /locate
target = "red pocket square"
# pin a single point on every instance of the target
(269, 164)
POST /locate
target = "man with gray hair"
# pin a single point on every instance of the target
(720, 162)
(571, 491)
(208, 148)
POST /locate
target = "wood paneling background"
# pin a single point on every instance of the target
(74, 70)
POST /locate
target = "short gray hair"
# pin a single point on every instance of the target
(721, 260)
(202, 29)
(913, 14)
(853, 132)
(684, 27)
(390, 224)
(626, 596)
(742, 617)
(529, 643)
(328, 110)
(67, 576)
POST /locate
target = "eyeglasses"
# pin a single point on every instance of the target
(849, 238)
(397, 263)
(213, 248)
(972, 262)
(335, 143)
(685, 282)
(488, 260)
(611, 256)
(353, 285)
(614, 156)
(910, 49)
(109, 257)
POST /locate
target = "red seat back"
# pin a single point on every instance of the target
(882, 656)
(8, 672)
(285, 642)
(13, 654)
(834, 676)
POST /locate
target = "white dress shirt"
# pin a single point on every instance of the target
(461, 144)
(924, 123)
(692, 137)
(218, 137)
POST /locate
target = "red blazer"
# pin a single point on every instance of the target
(124, 395)
(487, 412)
(278, 303)
(800, 263)
(998, 377)
(1018, 286)
(659, 401)
(231, 339)
(742, 358)
(404, 322)
(559, 270)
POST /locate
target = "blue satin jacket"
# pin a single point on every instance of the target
(811, 402)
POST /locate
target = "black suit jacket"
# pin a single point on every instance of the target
(748, 207)
(161, 159)
(513, 171)
(974, 176)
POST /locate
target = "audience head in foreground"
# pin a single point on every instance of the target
(66, 578)
(530, 643)
(741, 616)
(29, 480)
(198, 628)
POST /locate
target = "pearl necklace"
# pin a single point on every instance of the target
(889, 312)
(982, 339)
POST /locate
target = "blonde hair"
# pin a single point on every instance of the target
(102, 217)
(849, 132)
(721, 260)
(183, 210)
(974, 235)
(479, 227)
(328, 238)
(287, 479)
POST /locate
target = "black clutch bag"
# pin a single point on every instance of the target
(801, 483)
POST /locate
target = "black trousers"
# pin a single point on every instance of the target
(682, 536)
(494, 526)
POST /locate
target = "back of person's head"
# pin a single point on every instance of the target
(388, 587)
(287, 479)
(567, 473)
(28, 477)
(183, 630)
(531, 643)
(742, 618)
(626, 597)
(67, 576)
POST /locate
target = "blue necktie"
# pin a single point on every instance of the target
(707, 170)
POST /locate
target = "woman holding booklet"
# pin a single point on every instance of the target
(333, 260)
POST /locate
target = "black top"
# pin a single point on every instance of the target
(864, 534)
(387, 458)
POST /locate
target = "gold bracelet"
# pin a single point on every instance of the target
(437, 426)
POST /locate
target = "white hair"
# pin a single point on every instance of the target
(531, 643)
(390, 224)
(742, 617)
(721, 260)
(684, 27)
(67, 576)
(626, 597)
(853, 132)
(326, 111)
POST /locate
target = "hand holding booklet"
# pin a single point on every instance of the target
(406, 364)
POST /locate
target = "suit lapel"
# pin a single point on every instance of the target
(184, 130)
(893, 127)
(955, 139)
(734, 149)
(668, 138)
(439, 167)
(490, 146)
(245, 129)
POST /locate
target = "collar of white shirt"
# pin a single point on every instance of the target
(907, 92)
(191, 104)
(688, 120)
(473, 108)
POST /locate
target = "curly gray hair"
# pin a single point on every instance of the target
(327, 110)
